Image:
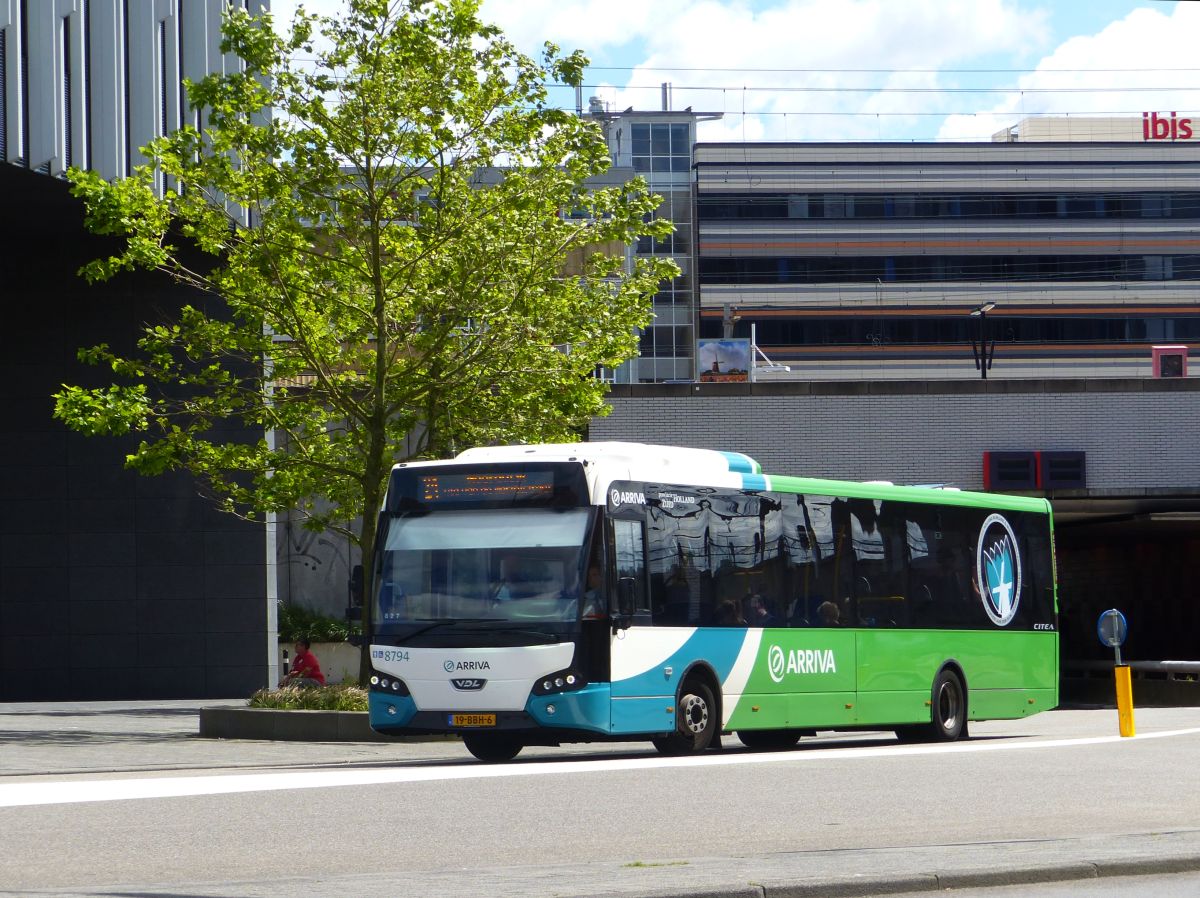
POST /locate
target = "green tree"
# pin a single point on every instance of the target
(401, 289)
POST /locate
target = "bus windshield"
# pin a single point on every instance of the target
(481, 565)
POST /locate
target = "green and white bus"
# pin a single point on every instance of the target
(538, 595)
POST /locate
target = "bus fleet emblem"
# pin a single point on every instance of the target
(998, 570)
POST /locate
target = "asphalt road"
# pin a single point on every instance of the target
(118, 801)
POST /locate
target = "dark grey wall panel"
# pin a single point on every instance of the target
(112, 585)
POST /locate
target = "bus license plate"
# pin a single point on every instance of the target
(472, 720)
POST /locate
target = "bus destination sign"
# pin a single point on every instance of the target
(485, 486)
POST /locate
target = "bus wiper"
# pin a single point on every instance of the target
(449, 620)
(543, 636)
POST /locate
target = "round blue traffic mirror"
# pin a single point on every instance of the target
(1112, 628)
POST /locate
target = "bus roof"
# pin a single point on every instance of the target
(635, 454)
(608, 461)
(934, 495)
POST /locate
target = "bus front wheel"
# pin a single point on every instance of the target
(695, 721)
(948, 712)
(492, 747)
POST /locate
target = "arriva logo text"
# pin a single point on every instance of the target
(452, 666)
(619, 497)
(799, 661)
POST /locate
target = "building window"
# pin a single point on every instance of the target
(3, 95)
(661, 147)
(65, 84)
(671, 341)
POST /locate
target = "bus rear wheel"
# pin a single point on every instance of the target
(492, 747)
(769, 740)
(695, 721)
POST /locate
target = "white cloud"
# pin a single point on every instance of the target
(1140, 45)
(589, 25)
(806, 43)
(777, 69)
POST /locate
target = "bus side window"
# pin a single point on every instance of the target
(630, 549)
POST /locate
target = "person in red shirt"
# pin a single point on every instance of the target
(305, 669)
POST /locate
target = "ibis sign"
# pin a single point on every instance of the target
(1165, 126)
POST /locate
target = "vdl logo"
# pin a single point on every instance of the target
(998, 570)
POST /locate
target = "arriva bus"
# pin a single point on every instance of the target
(538, 595)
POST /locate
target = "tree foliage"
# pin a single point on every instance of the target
(399, 290)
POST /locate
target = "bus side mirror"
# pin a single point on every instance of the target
(354, 587)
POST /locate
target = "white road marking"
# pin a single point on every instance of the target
(73, 791)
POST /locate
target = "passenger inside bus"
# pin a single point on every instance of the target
(756, 612)
(729, 614)
(828, 615)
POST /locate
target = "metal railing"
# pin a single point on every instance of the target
(1182, 671)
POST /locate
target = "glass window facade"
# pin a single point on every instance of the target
(767, 206)
(667, 346)
(957, 329)
(938, 268)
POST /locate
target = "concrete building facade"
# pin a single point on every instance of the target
(866, 260)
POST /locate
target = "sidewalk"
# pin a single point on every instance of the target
(71, 739)
(109, 737)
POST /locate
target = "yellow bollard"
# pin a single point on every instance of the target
(1124, 699)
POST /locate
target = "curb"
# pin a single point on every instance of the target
(868, 886)
(273, 724)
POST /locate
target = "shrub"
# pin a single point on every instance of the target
(307, 698)
(298, 622)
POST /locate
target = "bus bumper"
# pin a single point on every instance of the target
(586, 709)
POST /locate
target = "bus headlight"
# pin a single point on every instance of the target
(387, 683)
(567, 680)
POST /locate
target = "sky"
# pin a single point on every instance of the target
(907, 70)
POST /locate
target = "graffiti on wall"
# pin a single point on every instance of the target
(314, 568)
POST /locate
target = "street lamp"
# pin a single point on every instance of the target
(983, 351)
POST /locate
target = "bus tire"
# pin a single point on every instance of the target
(695, 721)
(947, 712)
(492, 747)
(769, 740)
